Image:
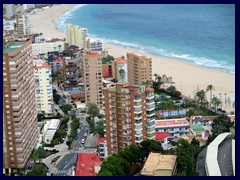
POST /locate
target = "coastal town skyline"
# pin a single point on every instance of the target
(93, 98)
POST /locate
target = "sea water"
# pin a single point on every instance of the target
(201, 34)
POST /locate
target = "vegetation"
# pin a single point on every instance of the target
(221, 124)
(38, 170)
(99, 128)
(74, 126)
(210, 88)
(65, 108)
(107, 59)
(130, 160)
(93, 111)
(187, 156)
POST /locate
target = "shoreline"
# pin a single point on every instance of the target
(187, 77)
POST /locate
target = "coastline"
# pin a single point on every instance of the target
(187, 77)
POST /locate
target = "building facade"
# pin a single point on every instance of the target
(45, 47)
(139, 68)
(20, 133)
(120, 70)
(23, 24)
(75, 35)
(43, 88)
(93, 77)
(129, 113)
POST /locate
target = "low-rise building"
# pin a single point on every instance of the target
(102, 148)
(88, 164)
(176, 127)
(159, 165)
(50, 129)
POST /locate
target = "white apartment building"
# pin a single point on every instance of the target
(23, 24)
(8, 25)
(176, 127)
(75, 35)
(45, 47)
(10, 10)
(43, 88)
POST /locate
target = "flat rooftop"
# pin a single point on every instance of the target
(156, 162)
(12, 46)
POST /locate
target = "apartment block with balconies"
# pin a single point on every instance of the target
(43, 88)
(93, 77)
(129, 115)
(139, 68)
(20, 133)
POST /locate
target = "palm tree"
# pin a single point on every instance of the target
(210, 88)
(216, 102)
(170, 106)
(200, 97)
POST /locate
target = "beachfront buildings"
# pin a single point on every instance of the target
(75, 35)
(23, 24)
(139, 68)
(93, 77)
(72, 66)
(20, 133)
(120, 70)
(42, 46)
(129, 113)
(43, 88)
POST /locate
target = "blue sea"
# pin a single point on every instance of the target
(200, 34)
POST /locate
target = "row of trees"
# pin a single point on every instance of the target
(74, 126)
(131, 160)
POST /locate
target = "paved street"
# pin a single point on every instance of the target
(225, 157)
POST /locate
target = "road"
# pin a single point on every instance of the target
(201, 162)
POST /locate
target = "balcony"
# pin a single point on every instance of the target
(139, 140)
(150, 97)
(138, 111)
(137, 100)
(151, 114)
(150, 108)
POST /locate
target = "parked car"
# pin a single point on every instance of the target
(83, 141)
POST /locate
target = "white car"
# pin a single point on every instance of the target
(83, 141)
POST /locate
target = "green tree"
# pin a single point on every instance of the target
(40, 153)
(93, 111)
(148, 146)
(38, 170)
(200, 97)
(65, 108)
(99, 128)
(169, 106)
(216, 102)
(221, 124)
(210, 88)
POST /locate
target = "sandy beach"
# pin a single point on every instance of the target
(188, 78)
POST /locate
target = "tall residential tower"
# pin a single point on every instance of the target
(20, 133)
(139, 68)
(129, 113)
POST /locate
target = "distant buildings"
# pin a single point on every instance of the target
(23, 24)
(20, 133)
(129, 113)
(9, 10)
(76, 35)
(43, 46)
(43, 85)
(159, 165)
(93, 77)
(120, 70)
(9, 25)
(139, 68)
(94, 45)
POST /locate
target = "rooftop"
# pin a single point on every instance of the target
(172, 122)
(197, 127)
(86, 164)
(12, 46)
(160, 136)
(159, 165)
(101, 140)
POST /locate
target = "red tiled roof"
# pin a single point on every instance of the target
(86, 163)
(172, 122)
(77, 95)
(58, 60)
(101, 140)
(209, 118)
(121, 61)
(160, 136)
(134, 88)
(44, 65)
(105, 70)
(94, 52)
